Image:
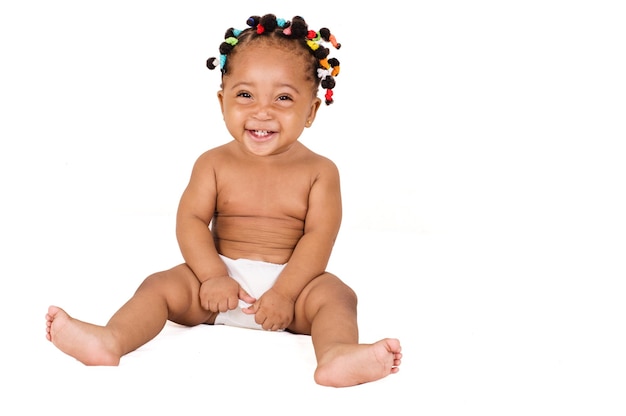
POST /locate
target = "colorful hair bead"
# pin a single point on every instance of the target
(253, 21)
(329, 97)
(212, 63)
(329, 37)
(313, 45)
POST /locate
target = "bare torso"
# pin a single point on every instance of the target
(261, 205)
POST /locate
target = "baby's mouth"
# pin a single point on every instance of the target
(261, 134)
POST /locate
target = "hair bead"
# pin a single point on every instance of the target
(225, 48)
(211, 63)
(299, 28)
(329, 97)
(321, 52)
(253, 21)
(312, 45)
(268, 22)
(329, 37)
(334, 42)
(328, 82)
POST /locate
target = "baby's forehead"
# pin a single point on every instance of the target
(292, 49)
(280, 51)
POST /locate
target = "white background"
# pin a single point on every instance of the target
(484, 139)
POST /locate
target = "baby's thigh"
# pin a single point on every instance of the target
(179, 288)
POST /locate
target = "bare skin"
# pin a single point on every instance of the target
(263, 196)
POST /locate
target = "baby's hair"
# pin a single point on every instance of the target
(324, 69)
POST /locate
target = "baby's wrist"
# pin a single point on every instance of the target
(205, 279)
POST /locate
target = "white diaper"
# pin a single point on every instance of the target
(255, 277)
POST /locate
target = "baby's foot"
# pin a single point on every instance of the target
(349, 365)
(81, 340)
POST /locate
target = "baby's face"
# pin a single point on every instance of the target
(267, 99)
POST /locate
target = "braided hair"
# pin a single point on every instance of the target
(323, 69)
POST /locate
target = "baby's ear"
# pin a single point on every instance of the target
(220, 97)
(315, 105)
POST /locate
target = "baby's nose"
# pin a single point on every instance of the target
(262, 113)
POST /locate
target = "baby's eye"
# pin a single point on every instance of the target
(284, 98)
(243, 94)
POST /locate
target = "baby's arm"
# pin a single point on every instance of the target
(311, 254)
(218, 292)
(321, 226)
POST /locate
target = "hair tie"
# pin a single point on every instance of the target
(334, 63)
(334, 42)
(328, 82)
(268, 22)
(312, 45)
(253, 21)
(329, 37)
(321, 53)
(329, 97)
(211, 63)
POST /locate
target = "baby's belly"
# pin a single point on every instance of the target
(257, 238)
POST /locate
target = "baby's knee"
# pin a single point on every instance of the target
(152, 282)
(164, 279)
(330, 287)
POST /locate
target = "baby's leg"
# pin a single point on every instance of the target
(160, 297)
(327, 310)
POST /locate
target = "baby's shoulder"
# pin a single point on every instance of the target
(317, 160)
(214, 156)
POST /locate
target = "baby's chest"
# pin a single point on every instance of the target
(269, 201)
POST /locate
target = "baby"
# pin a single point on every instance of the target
(257, 222)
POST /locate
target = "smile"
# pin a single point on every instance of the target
(261, 134)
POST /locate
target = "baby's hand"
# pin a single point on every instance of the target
(273, 311)
(220, 294)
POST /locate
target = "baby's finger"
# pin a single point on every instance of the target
(223, 306)
(233, 302)
(252, 309)
(249, 310)
(245, 296)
